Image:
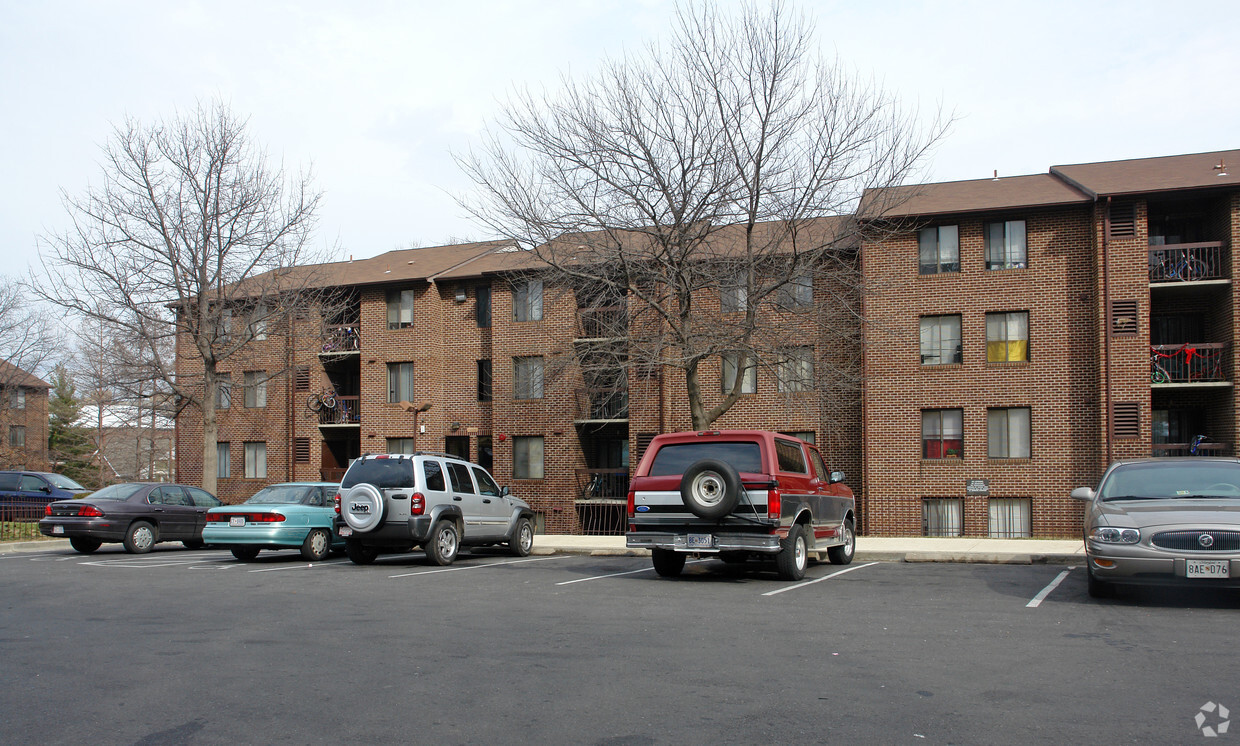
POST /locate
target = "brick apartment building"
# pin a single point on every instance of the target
(1021, 332)
(23, 418)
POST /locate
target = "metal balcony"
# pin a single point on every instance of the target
(594, 405)
(602, 322)
(341, 339)
(1188, 363)
(1187, 262)
(346, 412)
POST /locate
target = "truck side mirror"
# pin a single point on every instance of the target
(504, 491)
(1083, 493)
(836, 476)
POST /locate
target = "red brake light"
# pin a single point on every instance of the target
(417, 506)
(632, 503)
(90, 511)
(773, 507)
(337, 503)
(47, 509)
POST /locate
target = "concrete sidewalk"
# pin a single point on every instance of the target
(869, 549)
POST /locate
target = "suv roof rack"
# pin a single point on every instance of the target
(440, 454)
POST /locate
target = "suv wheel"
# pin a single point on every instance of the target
(843, 554)
(443, 544)
(359, 553)
(794, 556)
(667, 563)
(710, 488)
(362, 507)
(522, 539)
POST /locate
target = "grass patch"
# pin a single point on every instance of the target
(21, 531)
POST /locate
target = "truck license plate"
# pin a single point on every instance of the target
(1207, 568)
(699, 541)
(236, 520)
(345, 531)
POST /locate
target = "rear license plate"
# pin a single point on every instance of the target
(236, 520)
(58, 529)
(1207, 568)
(700, 541)
(345, 531)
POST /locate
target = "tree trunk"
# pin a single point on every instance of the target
(210, 429)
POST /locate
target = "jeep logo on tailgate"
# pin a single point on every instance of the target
(359, 507)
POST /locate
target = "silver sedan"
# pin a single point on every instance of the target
(1171, 521)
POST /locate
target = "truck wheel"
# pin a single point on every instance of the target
(710, 488)
(667, 563)
(843, 554)
(794, 555)
(443, 543)
(522, 539)
(360, 554)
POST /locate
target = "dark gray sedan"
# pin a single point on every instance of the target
(1172, 521)
(137, 514)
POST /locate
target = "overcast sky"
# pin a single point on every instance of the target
(376, 95)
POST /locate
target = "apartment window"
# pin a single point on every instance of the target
(400, 445)
(1007, 337)
(942, 516)
(940, 340)
(17, 436)
(255, 388)
(301, 450)
(796, 371)
(484, 380)
(223, 466)
(18, 400)
(399, 308)
(527, 301)
(806, 435)
(1008, 432)
(527, 457)
(797, 293)
(400, 382)
(482, 305)
(223, 390)
(1011, 518)
(939, 249)
(258, 323)
(527, 377)
(749, 379)
(1005, 245)
(255, 460)
(942, 433)
(733, 295)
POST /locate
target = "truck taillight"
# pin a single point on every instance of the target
(632, 503)
(47, 509)
(337, 503)
(417, 505)
(90, 511)
(772, 503)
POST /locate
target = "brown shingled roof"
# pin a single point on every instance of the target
(13, 375)
(978, 195)
(1195, 171)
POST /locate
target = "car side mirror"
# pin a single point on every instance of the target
(1083, 493)
(46, 489)
(504, 491)
(836, 476)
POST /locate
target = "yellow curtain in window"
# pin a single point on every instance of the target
(1013, 351)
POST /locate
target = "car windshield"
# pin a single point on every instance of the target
(1166, 480)
(384, 473)
(676, 458)
(64, 482)
(116, 492)
(281, 494)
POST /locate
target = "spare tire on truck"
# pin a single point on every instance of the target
(710, 488)
(361, 506)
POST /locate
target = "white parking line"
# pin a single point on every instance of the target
(817, 580)
(477, 567)
(144, 561)
(619, 574)
(300, 566)
(1038, 599)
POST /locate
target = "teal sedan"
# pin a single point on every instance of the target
(294, 515)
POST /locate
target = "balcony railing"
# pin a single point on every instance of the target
(602, 404)
(346, 412)
(341, 338)
(1186, 449)
(603, 322)
(1188, 363)
(1187, 262)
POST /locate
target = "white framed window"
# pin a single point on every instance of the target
(223, 468)
(258, 325)
(255, 389)
(400, 382)
(796, 370)
(1011, 518)
(1008, 432)
(527, 377)
(400, 445)
(942, 433)
(749, 380)
(1007, 337)
(399, 309)
(940, 340)
(527, 301)
(1005, 245)
(527, 457)
(938, 249)
(942, 516)
(256, 460)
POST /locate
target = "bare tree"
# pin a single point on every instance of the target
(699, 187)
(192, 238)
(28, 343)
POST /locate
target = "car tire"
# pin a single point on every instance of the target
(317, 545)
(1098, 588)
(84, 545)
(667, 563)
(367, 496)
(359, 553)
(443, 544)
(140, 537)
(843, 554)
(710, 488)
(793, 557)
(522, 539)
(245, 554)
(194, 544)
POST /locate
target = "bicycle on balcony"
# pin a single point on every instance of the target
(1159, 374)
(1180, 265)
(325, 400)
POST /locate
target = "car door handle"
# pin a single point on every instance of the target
(486, 500)
(458, 498)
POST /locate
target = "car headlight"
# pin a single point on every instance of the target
(1108, 535)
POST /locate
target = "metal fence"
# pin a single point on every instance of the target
(20, 523)
(942, 517)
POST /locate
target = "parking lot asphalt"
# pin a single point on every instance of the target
(181, 646)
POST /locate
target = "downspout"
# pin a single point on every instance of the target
(1106, 330)
(290, 426)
